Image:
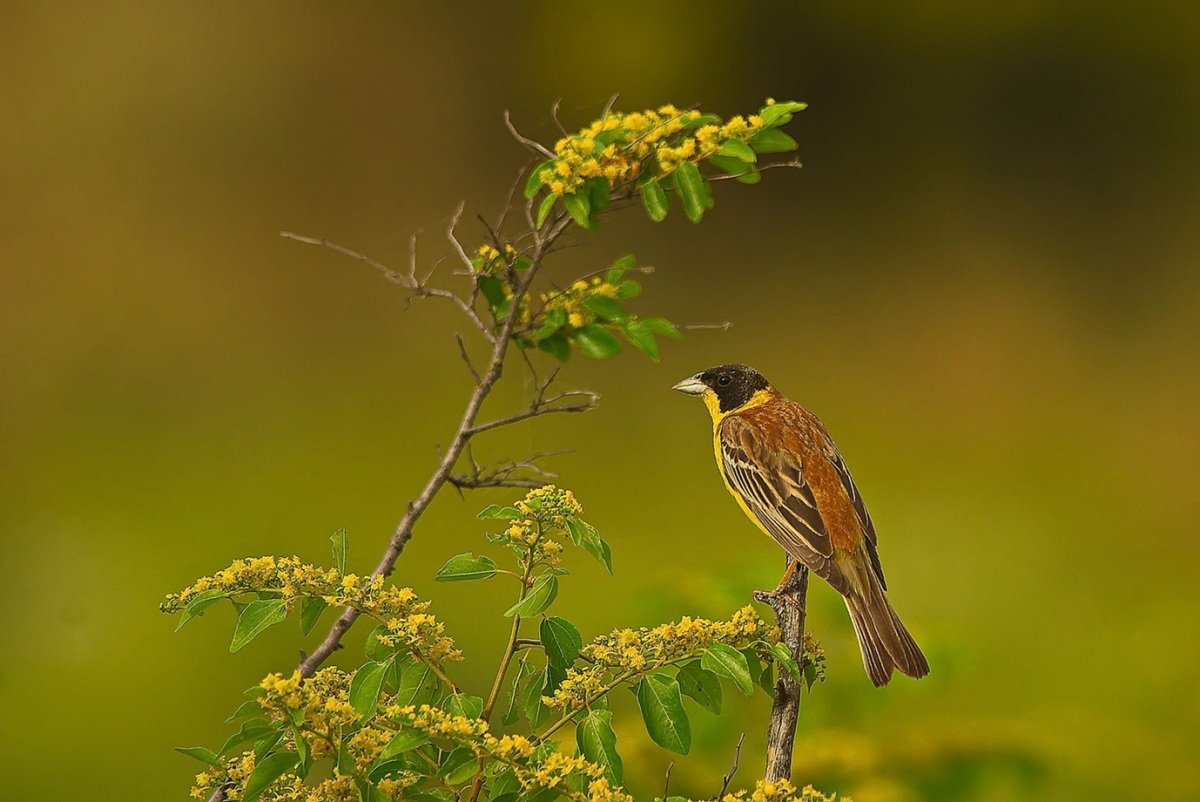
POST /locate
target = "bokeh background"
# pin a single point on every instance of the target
(984, 280)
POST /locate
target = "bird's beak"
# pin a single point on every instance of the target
(692, 386)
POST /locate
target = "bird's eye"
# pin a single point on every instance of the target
(724, 380)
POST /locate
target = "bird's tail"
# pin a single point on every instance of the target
(882, 637)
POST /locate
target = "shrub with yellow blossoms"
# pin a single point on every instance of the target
(395, 723)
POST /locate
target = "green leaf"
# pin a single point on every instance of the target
(406, 739)
(666, 721)
(642, 338)
(780, 113)
(598, 547)
(310, 612)
(701, 685)
(629, 289)
(415, 683)
(737, 149)
(753, 664)
(256, 617)
(662, 326)
(531, 700)
(198, 604)
(598, 743)
(202, 754)
(654, 199)
(492, 289)
(267, 772)
(375, 649)
(252, 730)
(561, 640)
(619, 268)
(535, 178)
(557, 346)
(579, 207)
(250, 707)
(555, 319)
(459, 766)
(726, 661)
(512, 713)
(465, 567)
(702, 120)
(304, 764)
(766, 679)
(744, 173)
(772, 140)
(341, 548)
(365, 688)
(599, 195)
(540, 596)
(605, 307)
(544, 209)
(496, 511)
(596, 341)
(463, 704)
(784, 656)
(693, 191)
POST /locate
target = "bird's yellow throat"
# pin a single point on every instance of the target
(714, 403)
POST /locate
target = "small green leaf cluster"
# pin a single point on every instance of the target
(653, 153)
(589, 314)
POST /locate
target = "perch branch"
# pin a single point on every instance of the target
(788, 604)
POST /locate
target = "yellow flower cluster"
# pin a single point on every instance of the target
(619, 147)
(557, 770)
(323, 700)
(570, 300)
(635, 651)
(781, 791)
(288, 788)
(423, 634)
(488, 259)
(292, 580)
(544, 511)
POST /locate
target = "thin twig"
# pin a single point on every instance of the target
(536, 147)
(667, 780)
(462, 350)
(728, 778)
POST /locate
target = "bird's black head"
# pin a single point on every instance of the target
(731, 386)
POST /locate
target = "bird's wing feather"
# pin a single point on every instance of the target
(860, 509)
(773, 487)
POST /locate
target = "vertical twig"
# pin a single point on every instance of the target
(788, 604)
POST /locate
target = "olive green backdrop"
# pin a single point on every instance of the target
(984, 280)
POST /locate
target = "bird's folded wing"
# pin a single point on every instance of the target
(860, 509)
(773, 487)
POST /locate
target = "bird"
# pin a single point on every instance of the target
(782, 467)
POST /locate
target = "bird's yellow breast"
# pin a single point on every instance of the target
(713, 403)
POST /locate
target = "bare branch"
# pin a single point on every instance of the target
(388, 273)
(728, 778)
(554, 115)
(450, 235)
(515, 473)
(726, 326)
(462, 349)
(667, 780)
(536, 147)
(544, 407)
(508, 201)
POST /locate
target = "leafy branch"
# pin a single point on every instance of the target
(390, 728)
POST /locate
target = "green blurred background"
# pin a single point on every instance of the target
(984, 280)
